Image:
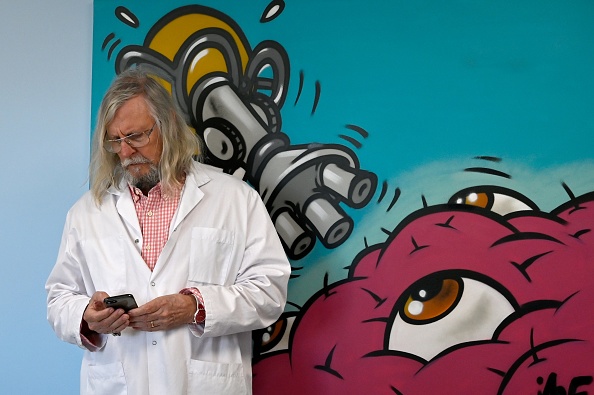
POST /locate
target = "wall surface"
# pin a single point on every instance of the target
(426, 165)
(483, 104)
(44, 151)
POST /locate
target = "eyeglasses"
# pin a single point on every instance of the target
(134, 140)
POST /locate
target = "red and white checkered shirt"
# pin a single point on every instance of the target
(155, 213)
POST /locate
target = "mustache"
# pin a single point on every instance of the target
(135, 160)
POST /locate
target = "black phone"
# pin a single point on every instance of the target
(126, 302)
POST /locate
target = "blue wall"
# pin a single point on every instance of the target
(44, 154)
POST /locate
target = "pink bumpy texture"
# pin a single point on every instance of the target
(542, 262)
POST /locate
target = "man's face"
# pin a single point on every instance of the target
(134, 117)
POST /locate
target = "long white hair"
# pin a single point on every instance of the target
(181, 145)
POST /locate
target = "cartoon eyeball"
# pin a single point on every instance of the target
(444, 310)
(500, 200)
(274, 337)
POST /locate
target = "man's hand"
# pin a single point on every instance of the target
(164, 312)
(102, 319)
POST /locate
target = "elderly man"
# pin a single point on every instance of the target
(194, 246)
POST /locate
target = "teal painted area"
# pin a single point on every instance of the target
(430, 79)
(436, 182)
(434, 84)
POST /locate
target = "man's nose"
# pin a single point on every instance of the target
(126, 150)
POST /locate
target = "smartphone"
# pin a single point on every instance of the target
(126, 302)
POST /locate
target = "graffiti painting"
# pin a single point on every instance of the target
(425, 165)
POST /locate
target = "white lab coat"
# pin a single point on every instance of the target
(221, 241)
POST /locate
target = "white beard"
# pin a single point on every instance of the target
(145, 182)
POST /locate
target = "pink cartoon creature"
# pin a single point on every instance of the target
(459, 300)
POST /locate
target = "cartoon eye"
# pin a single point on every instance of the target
(497, 199)
(431, 299)
(445, 310)
(275, 337)
(481, 199)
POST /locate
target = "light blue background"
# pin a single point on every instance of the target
(45, 86)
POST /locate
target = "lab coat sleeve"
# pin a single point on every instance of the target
(258, 296)
(67, 297)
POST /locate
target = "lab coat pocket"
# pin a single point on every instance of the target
(210, 256)
(106, 379)
(216, 378)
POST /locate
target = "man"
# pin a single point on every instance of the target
(194, 246)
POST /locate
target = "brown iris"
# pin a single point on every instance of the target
(431, 298)
(268, 338)
(482, 199)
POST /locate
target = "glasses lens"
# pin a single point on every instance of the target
(137, 140)
(112, 146)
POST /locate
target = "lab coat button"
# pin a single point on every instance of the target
(154, 343)
(153, 283)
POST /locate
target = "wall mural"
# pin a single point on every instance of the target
(426, 166)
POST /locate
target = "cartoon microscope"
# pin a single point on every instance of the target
(232, 97)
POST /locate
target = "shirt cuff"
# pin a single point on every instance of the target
(91, 340)
(196, 327)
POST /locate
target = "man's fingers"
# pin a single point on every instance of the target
(112, 322)
(119, 325)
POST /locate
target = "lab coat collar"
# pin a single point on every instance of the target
(190, 197)
(191, 194)
(125, 206)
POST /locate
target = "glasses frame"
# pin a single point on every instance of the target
(109, 143)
